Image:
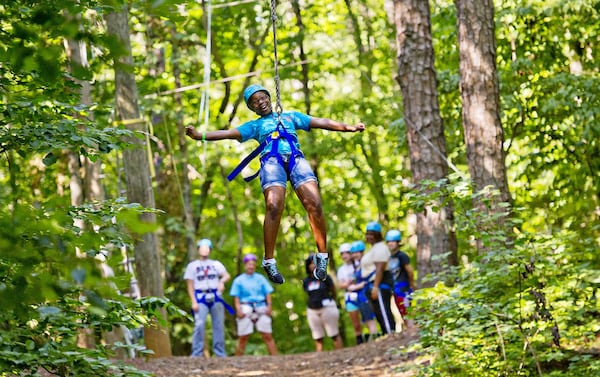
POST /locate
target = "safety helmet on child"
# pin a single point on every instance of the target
(373, 226)
(357, 247)
(205, 242)
(345, 248)
(250, 90)
(249, 257)
(393, 235)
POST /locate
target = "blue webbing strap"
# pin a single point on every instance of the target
(247, 160)
(279, 132)
(201, 299)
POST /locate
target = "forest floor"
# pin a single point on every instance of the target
(379, 358)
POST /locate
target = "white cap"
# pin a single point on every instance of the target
(345, 248)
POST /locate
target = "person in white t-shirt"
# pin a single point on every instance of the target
(206, 280)
(346, 277)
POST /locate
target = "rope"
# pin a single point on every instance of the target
(278, 107)
(204, 108)
(220, 81)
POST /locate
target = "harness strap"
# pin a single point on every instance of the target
(256, 304)
(255, 315)
(201, 299)
(274, 152)
(238, 169)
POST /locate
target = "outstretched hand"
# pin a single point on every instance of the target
(358, 127)
(191, 132)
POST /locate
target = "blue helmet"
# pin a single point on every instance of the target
(357, 247)
(393, 235)
(373, 226)
(250, 90)
(205, 242)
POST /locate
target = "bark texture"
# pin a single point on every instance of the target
(425, 132)
(481, 108)
(138, 180)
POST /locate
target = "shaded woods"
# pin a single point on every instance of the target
(481, 147)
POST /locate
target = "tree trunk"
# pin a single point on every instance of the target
(481, 108)
(84, 182)
(425, 132)
(138, 181)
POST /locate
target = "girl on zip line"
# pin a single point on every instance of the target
(281, 160)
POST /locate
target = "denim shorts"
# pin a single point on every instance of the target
(273, 174)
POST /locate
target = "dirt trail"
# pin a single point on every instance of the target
(379, 358)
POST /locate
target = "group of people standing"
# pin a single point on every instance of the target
(372, 278)
(369, 278)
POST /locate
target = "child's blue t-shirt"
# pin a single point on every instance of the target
(250, 288)
(259, 129)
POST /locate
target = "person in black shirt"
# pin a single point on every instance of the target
(322, 312)
(403, 273)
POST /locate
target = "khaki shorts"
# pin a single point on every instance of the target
(324, 321)
(254, 318)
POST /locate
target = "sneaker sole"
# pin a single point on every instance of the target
(317, 277)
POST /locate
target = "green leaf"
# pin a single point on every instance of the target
(50, 159)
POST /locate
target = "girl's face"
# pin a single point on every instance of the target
(250, 266)
(260, 103)
(393, 245)
(204, 251)
(370, 237)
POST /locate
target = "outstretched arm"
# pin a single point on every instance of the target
(213, 135)
(332, 125)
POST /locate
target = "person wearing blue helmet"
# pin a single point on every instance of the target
(356, 302)
(205, 279)
(281, 160)
(403, 273)
(374, 269)
(346, 277)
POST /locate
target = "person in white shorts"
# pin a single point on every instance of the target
(252, 300)
(322, 312)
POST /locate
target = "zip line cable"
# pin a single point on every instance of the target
(233, 3)
(219, 81)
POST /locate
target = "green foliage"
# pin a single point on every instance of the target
(527, 307)
(541, 278)
(62, 296)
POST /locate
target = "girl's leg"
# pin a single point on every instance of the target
(309, 196)
(274, 202)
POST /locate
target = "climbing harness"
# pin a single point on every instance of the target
(250, 309)
(272, 139)
(362, 295)
(209, 297)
